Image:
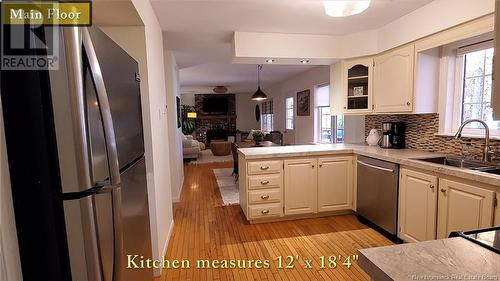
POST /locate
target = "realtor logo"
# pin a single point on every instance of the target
(29, 47)
(31, 30)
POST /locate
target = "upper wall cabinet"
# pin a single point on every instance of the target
(398, 81)
(393, 80)
(357, 78)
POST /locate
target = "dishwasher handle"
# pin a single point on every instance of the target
(376, 167)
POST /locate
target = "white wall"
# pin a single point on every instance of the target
(10, 265)
(304, 130)
(304, 125)
(175, 133)
(145, 44)
(354, 129)
(161, 200)
(245, 111)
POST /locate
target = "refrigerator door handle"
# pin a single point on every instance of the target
(73, 48)
(111, 150)
(102, 97)
(72, 37)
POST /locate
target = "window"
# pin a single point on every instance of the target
(289, 113)
(330, 129)
(468, 87)
(325, 124)
(476, 88)
(266, 117)
(339, 128)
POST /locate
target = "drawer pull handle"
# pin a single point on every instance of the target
(264, 197)
(264, 168)
(265, 212)
(264, 182)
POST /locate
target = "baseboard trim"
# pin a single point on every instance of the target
(158, 271)
(177, 199)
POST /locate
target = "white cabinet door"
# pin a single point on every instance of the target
(393, 80)
(417, 206)
(463, 207)
(335, 183)
(357, 86)
(301, 186)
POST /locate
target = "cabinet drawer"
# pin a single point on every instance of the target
(264, 181)
(264, 210)
(264, 167)
(264, 195)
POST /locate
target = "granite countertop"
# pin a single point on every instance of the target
(447, 259)
(404, 157)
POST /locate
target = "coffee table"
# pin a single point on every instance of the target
(220, 148)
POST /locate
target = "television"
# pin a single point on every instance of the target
(215, 105)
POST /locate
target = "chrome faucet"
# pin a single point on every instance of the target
(487, 150)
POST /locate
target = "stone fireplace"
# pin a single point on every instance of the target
(211, 127)
(217, 134)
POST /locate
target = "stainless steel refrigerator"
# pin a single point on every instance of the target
(76, 157)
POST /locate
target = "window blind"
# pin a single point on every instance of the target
(475, 47)
(322, 95)
(267, 107)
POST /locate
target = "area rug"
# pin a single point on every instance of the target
(227, 186)
(206, 156)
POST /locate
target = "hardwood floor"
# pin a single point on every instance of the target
(206, 230)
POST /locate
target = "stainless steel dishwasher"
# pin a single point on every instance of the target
(377, 198)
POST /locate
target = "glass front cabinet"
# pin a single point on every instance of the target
(358, 85)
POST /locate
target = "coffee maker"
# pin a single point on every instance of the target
(393, 135)
(386, 140)
(398, 135)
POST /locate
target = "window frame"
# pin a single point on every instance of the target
(336, 129)
(267, 116)
(287, 117)
(459, 88)
(319, 138)
(451, 86)
(333, 119)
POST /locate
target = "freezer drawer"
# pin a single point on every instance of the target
(377, 195)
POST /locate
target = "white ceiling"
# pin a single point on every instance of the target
(200, 33)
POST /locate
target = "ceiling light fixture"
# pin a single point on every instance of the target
(270, 61)
(220, 90)
(344, 8)
(259, 95)
(304, 61)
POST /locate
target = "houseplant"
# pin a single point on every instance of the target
(258, 136)
(188, 124)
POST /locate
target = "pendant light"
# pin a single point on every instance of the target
(259, 95)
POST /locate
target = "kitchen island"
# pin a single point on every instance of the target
(446, 259)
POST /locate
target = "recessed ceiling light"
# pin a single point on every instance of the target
(270, 60)
(344, 8)
(304, 61)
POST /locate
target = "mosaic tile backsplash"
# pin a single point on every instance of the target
(420, 134)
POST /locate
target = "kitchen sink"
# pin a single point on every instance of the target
(495, 171)
(462, 163)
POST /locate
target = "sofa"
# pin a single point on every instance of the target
(190, 147)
